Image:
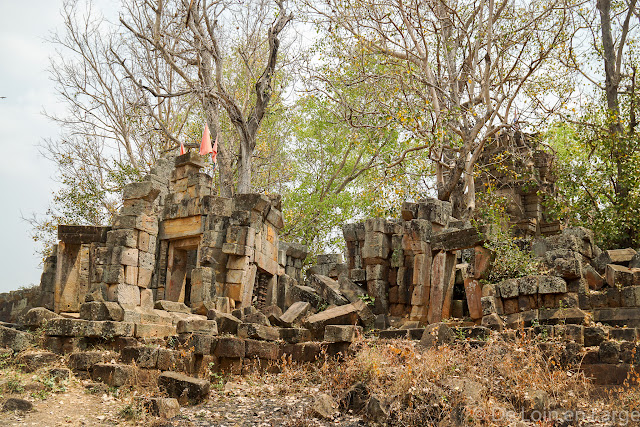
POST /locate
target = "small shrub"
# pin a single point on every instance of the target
(511, 260)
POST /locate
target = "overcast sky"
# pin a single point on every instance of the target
(26, 178)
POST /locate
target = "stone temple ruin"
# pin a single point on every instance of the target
(204, 281)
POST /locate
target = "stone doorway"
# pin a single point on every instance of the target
(182, 258)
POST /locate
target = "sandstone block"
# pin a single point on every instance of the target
(230, 347)
(176, 385)
(342, 333)
(551, 285)
(114, 375)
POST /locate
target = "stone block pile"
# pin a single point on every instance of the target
(408, 265)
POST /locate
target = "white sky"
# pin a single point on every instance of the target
(26, 181)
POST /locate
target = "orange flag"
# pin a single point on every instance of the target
(214, 151)
(182, 149)
(205, 145)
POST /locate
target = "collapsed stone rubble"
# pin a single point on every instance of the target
(184, 282)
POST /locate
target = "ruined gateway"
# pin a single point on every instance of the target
(205, 282)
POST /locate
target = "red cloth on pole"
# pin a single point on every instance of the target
(205, 145)
(182, 149)
(214, 151)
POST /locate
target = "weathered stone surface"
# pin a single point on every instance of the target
(560, 315)
(89, 328)
(457, 239)
(618, 275)
(14, 339)
(342, 333)
(304, 293)
(594, 335)
(261, 349)
(143, 356)
(227, 324)
(177, 307)
(323, 406)
(33, 361)
(342, 315)
(620, 256)
(255, 331)
(163, 407)
(528, 285)
(295, 335)
(102, 310)
(442, 280)
(473, 291)
(551, 285)
(146, 190)
(114, 375)
(437, 334)
(182, 387)
(295, 313)
(493, 321)
(124, 294)
(16, 404)
(230, 347)
(154, 330)
(197, 325)
(38, 317)
(508, 288)
(609, 352)
(565, 263)
(593, 278)
(488, 305)
(328, 289)
(84, 360)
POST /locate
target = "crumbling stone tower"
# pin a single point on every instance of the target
(175, 241)
(520, 171)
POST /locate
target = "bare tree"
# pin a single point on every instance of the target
(446, 73)
(192, 38)
(107, 138)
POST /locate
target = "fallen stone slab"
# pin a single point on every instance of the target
(30, 362)
(38, 316)
(436, 335)
(295, 313)
(142, 356)
(114, 375)
(457, 239)
(351, 290)
(89, 328)
(163, 407)
(304, 293)
(102, 310)
(154, 330)
(227, 323)
(328, 289)
(229, 347)
(84, 360)
(261, 349)
(342, 333)
(255, 331)
(618, 275)
(295, 335)
(177, 307)
(15, 340)
(342, 315)
(197, 325)
(184, 388)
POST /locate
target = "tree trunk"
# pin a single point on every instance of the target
(244, 167)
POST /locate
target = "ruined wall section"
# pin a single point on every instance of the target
(408, 265)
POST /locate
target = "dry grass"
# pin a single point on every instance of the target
(496, 384)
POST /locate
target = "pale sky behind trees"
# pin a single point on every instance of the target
(26, 177)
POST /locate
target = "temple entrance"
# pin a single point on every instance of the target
(181, 260)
